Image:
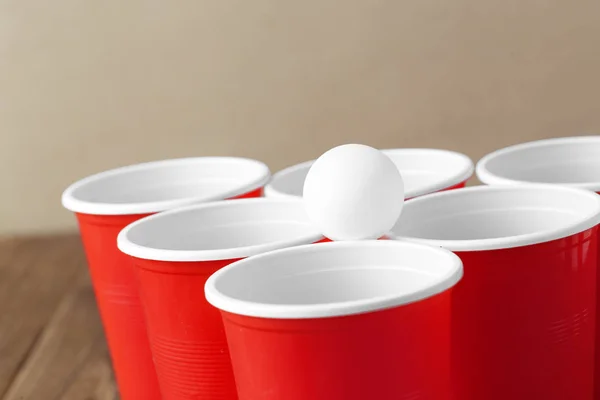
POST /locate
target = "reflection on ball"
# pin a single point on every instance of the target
(353, 192)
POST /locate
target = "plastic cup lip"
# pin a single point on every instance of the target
(158, 237)
(410, 258)
(488, 175)
(512, 198)
(456, 168)
(253, 174)
(273, 190)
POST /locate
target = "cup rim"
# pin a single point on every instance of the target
(133, 249)
(225, 302)
(462, 174)
(490, 178)
(272, 192)
(588, 221)
(74, 203)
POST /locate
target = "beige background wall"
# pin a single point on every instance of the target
(91, 85)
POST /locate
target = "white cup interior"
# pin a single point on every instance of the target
(162, 185)
(492, 217)
(288, 182)
(219, 230)
(333, 279)
(430, 170)
(571, 161)
(423, 171)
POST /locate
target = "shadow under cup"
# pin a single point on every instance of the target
(523, 317)
(107, 202)
(174, 253)
(339, 320)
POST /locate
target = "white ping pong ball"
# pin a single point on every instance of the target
(353, 192)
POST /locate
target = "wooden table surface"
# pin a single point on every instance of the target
(51, 342)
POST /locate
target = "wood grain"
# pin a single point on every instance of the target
(51, 341)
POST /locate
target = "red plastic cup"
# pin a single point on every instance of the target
(523, 317)
(107, 202)
(175, 252)
(423, 170)
(339, 320)
(570, 161)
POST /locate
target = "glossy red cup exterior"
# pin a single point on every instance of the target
(424, 171)
(396, 350)
(186, 333)
(457, 186)
(342, 358)
(523, 316)
(453, 187)
(524, 321)
(118, 302)
(112, 274)
(568, 161)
